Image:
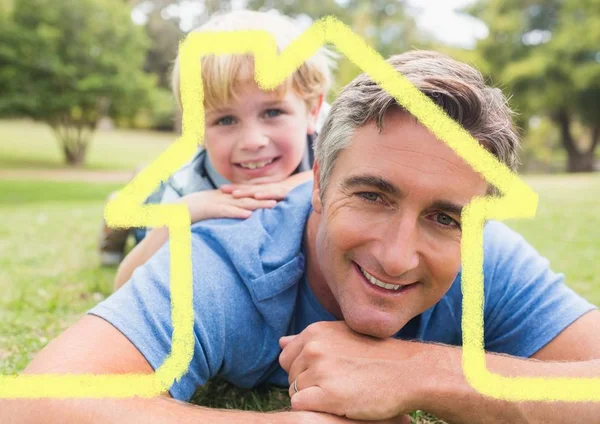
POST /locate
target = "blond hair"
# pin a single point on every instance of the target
(456, 87)
(224, 75)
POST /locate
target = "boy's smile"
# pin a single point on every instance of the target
(259, 137)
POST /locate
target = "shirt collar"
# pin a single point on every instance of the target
(216, 178)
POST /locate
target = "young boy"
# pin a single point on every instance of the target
(257, 144)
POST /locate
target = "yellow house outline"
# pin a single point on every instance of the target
(127, 209)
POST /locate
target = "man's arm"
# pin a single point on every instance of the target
(574, 353)
(333, 365)
(94, 346)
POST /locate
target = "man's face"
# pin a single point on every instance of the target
(391, 216)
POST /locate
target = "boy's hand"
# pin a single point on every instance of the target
(216, 204)
(273, 191)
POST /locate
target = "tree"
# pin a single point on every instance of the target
(384, 24)
(165, 36)
(69, 63)
(547, 53)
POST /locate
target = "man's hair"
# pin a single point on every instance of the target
(224, 75)
(456, 87)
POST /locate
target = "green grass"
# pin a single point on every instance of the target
(29, 145)
(566, 230)
(49, 271)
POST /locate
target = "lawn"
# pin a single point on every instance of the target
(566, 229)
(30, 145)
(49, 271)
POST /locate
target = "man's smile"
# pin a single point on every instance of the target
(378, 284)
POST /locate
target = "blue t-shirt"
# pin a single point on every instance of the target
(249, 290)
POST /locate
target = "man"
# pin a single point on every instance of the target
(354, 267)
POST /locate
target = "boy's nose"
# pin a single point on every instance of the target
(253, 139)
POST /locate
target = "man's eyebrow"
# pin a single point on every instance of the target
(447, 206)
(372, 181)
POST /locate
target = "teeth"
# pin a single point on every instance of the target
(377, 282)
(255, 165)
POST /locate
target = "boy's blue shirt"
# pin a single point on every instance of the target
(249, 289)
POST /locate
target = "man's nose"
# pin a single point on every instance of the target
(253, 138)
(400, 241)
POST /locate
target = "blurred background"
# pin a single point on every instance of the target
(85, 99)
(92, 69)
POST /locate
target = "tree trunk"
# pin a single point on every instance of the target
(74, 139)
(581, 162)
(178, 123)
(74, 157)
(578, 161)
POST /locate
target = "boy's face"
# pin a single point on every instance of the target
(260, 138)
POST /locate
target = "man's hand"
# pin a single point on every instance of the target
(268, 191)
(341, 372)
(302, 417)
(216, 204)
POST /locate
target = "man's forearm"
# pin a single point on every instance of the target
(156, 410)
(447, 394)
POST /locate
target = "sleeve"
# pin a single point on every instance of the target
(141, 310)
(526, 304)
(165, 194)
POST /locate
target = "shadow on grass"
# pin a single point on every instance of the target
(221, 394)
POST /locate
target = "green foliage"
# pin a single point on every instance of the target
(547, 53)
(68, 63)
(164, 35)
(541, 147)
(384, 24)
(157, 113)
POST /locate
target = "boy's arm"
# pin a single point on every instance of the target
(140, 254)
(275, 191)
(202, 205)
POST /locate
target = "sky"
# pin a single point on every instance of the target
(437, 17)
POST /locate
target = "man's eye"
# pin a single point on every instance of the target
(445, 220)
(369, 196)
(273, 113)
(226, 120)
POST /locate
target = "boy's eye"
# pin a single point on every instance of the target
(273, 113)
(226, 120)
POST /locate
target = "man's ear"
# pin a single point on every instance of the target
(313, 115)
(316, 191)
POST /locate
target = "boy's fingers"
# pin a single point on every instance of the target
(253, 204)
(231, 188)
(278, 193)
(262, 193)
(230, 211)
(245, 192)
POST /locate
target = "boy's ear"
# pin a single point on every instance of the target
(316, 191)
(313, 115)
